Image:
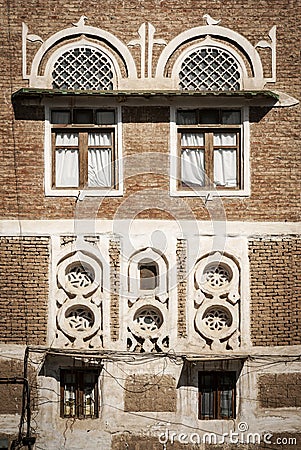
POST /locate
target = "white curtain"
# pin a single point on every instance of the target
(224, 139)
(192, 140)
(225, 171)
(192, 160)
(101, 139)
(100, 160)
(66, 160)
(192, 167)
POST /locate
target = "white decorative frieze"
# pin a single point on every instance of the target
(79, 298)
(217, 317)
(271, 44)
(235, 60)
(146, 35)
(148, 308)
(147, 325)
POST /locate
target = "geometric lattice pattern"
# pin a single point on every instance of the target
(149, 319)
(217, 318)
(210, 69)
(217, 276)
(80, 318)
(79, 277)
(83, 68)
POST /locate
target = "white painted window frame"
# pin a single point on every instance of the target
(245, 191)
(77, 192)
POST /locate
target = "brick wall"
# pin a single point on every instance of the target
(279, 390)
(275, 291)
(150, 393)
(274, 143)
(24, 289)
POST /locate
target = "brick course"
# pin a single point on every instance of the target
(24, 288)
(275, 291)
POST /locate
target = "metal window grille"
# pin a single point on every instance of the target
(217, 395)
(79, 394)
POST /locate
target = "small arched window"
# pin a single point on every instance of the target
(148, 271)
(83, 68)
(211, 69)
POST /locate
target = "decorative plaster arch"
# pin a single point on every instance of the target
(81, 43)
(148, 254)
(86, 260)
(221, 32)
(217, 258)
(218, 315)
(83, 252)
(110, 39)
(208, 42)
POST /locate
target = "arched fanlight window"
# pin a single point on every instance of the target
(148, 271)
(83, 68)
(211, 69)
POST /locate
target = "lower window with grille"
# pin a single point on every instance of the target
(79, 393)
(217, 395)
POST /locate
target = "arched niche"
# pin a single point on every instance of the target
(223, 34)
(36, 80)
(152, 262)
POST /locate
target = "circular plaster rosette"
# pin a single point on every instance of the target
(217, 275)
(79, 274)
(147, 320)
(79, 319)
(216, 321)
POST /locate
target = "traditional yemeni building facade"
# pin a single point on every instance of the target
(150, 234)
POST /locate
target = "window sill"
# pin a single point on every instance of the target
(81, 194)
(209, 194)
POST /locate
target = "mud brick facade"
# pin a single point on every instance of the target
(275, 291)
(24, 289)
(150, 393)
(150, 224)
(280, 390)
